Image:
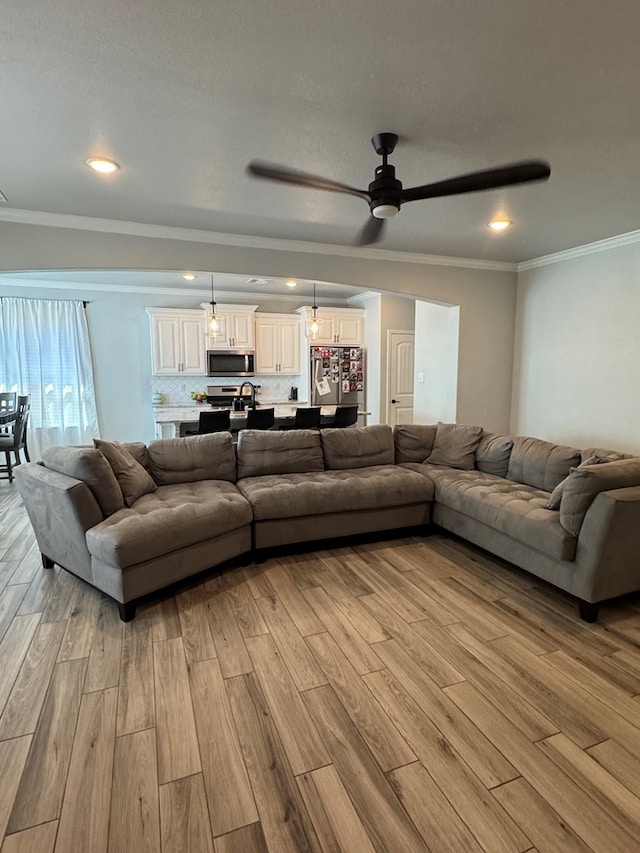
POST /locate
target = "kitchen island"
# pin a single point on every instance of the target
(172, 421)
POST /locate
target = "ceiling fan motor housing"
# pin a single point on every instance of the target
(385, 192)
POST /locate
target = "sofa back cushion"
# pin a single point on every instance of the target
(455, 445)
(133, 479)
(360, 447)
(583, 484)
(606, 455)
(413, 442)
(138, 450)
(196, 457)
(539, 463)
(292, 451)
(493, 454)
(90, 466)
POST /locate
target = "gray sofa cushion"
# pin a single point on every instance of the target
(603, 453)
(583, 484)
(296, 495)
(196, 457)
(138, 450)
(541, 464)
(493, 454)
(133, 479)
(289, 452)
(413, 442)
(358, 448)
(556, 495)
(455, 445)
(166, 520)
(514, 509)
(90, 466)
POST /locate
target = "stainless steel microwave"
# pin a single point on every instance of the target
(230, 362)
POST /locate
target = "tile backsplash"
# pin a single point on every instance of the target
(272, 388)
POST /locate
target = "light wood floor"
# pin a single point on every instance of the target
(401, 696)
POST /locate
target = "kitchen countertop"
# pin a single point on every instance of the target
(176, 413)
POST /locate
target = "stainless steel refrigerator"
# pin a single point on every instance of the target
(337, 376)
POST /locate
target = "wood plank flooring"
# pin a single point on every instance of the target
(406, 695)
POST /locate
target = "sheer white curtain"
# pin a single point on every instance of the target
(45, 352)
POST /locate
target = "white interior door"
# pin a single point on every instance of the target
(400, 367)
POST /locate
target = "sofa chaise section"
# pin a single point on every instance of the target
(192, 521)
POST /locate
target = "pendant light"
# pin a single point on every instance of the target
(313, 326)
(214, 321)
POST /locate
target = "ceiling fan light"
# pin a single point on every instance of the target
(500, 224)
(385, 211)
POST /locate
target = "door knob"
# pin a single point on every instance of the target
(394, 401)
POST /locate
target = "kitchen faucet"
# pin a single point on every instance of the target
(253, 393)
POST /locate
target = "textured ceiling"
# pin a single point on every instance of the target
(184, 94)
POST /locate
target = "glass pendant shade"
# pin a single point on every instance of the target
(313, 326)
(214, 321)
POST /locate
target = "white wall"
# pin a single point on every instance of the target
(487, 299)
(436, 347)
(383, 312)
(576, 376)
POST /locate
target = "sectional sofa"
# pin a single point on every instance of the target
(132, 519)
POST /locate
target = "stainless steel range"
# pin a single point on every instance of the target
(225, 396)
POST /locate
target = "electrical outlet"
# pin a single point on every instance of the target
(421, 377)
(183, 387)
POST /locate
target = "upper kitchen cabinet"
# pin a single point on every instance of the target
(237, 327)
(342, 326)
(177, 342)
(277, 343)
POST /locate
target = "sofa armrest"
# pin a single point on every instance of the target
(608, 554)
(61, 509)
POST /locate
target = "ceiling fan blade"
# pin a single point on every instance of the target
(371, 232)
(488, 179)
(284, 175)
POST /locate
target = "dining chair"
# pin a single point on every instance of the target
(213, 422)
(345, 416)
(16, 440)
(260, 418)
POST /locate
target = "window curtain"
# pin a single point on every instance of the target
(45, 352)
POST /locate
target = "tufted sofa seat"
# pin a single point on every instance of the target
(515, 509)
(166, 520)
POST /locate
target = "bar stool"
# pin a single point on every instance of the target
(345, 416)
(260, 418)
(213, 422)
(307, 418)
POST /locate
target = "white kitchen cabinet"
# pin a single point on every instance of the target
(343, 326)
(177, 342)
(277, 343)
(237, 323)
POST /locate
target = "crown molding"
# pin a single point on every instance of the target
(580, 251)
(192, 235)
(233, 296)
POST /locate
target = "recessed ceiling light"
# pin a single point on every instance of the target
(189, 276)
(291, 282)
(101, 164)
(500, 224)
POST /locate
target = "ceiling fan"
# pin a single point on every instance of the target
(385, 194)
